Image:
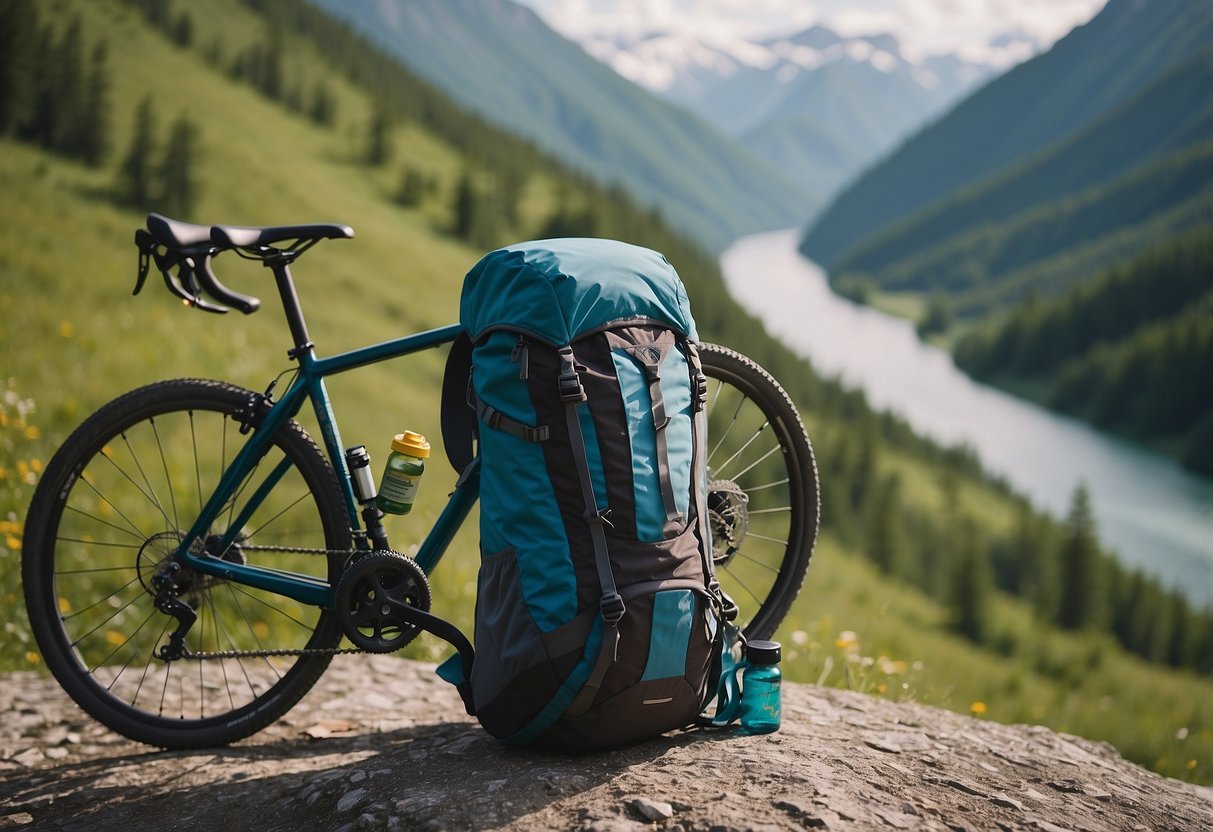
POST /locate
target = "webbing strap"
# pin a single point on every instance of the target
(494, 418)
(572, 393)
(725, 670)
(660, 422)
(699, 438)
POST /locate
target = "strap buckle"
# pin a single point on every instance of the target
(612, 608)
(569, 381)
(571, 389)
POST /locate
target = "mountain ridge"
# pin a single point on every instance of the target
(815, 104)
(1097, 67)
(1126, 158)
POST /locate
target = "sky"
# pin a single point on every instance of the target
(927, 27)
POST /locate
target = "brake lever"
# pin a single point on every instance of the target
(186, 271)
(187, 277)
(174, 284)
(147, 246)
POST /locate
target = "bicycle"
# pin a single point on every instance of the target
(193, 560)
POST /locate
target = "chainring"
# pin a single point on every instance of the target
(373, 593)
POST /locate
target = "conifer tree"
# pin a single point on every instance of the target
(135, 174)
(474, 212)
(18, 63)
(92, 131)
(271, 73)
(886, 534)
(972, 585)
(1032, 549)
(183, 30)
(1082, 602)
(178, 184)
(412, 187)
(67, 92)
(464, 206)
(323, 108)
(379, 138)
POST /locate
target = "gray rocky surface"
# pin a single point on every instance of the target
(382, 744)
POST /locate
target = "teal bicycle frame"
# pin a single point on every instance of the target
(308, 384)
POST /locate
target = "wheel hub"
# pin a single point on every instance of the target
(728, 519)
(156, 557)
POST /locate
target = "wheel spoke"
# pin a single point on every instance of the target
(725, 435)
(723, 467)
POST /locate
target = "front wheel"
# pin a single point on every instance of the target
(113, 506)
(763, 501)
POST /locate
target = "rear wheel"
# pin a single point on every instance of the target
(111, 509)
(763, 495)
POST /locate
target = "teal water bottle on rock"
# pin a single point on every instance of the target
(760, 683)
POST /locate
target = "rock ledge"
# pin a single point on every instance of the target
(382, 744)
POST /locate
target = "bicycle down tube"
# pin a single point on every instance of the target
(309, 384)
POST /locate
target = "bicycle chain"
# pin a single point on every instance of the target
(301, 550)
(262, 654)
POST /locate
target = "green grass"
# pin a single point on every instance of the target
(73, 338)
(852, 627)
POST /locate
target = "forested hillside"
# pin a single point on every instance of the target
(1132, 350)
(266, 111)
(1088, 75)
(1141, 174)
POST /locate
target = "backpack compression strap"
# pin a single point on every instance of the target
(650, 357)
(572, 393)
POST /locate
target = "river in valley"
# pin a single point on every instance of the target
(1149, 511)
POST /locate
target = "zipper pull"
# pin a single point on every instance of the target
(521, 356)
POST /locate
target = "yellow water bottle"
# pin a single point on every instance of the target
(405, 465)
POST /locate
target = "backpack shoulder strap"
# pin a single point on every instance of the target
(572, 394)
(459, 430)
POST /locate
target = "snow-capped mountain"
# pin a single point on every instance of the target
(818, 105)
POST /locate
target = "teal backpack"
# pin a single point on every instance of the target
(599, 620)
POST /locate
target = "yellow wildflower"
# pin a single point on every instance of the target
(66, 329)
(846, 638)
(977, 708)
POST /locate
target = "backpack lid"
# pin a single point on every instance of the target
(557, 290)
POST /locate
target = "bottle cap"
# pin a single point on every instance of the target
(413, 444)
(762, 652)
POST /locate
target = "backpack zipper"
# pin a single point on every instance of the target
(521, 356)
